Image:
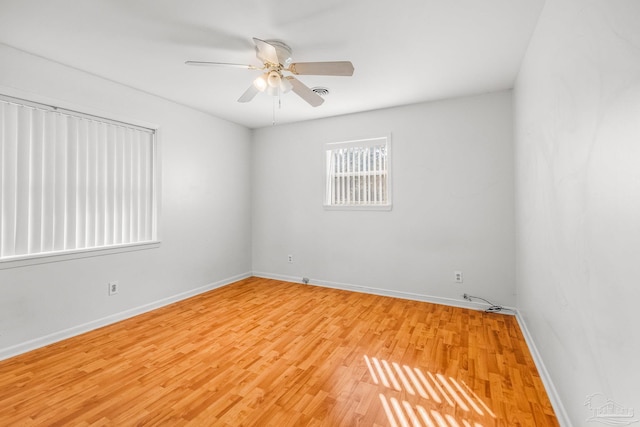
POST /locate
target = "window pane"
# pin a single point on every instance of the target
(357, 173)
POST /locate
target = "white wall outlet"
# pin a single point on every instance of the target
(290, 259)
(114, 287)
(457, 276)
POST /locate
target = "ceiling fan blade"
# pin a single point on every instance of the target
(249, 94)
(304, 92)
(266, 51)
(220, 64)
(336, 68)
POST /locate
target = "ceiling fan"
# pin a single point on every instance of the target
(276, 59)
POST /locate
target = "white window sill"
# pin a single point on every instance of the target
(44, 258)
(358, 207)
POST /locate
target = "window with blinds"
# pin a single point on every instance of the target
(358, 174)
(71, 182)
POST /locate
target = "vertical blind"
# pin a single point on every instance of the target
(70, 182)
(358, 173)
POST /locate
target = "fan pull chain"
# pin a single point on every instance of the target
(273, 121)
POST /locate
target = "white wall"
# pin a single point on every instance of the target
(578, 199)
(452, 202)
(205, 219)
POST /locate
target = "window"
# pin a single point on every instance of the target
(358, 174)
(71, 182)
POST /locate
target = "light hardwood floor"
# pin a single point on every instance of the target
(269, 353)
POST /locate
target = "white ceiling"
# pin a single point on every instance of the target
(403, 51)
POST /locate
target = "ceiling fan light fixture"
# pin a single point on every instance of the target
(276, 84)
(274, 79)
(261, 83)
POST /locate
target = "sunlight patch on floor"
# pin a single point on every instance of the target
(436, 390)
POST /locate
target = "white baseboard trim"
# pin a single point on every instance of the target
(552, 392)
(383, 292)
(36, 343)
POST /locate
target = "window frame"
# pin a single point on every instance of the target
(30, 100)
(364, 142)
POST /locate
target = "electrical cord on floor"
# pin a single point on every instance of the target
(493, 308)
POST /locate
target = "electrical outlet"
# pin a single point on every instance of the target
(457, 276)
(290, 259)
(114, 287)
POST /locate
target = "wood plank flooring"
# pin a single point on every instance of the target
(268, 353)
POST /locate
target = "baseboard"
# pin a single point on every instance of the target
(98, 323)
(554, 397)
(383, 292)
